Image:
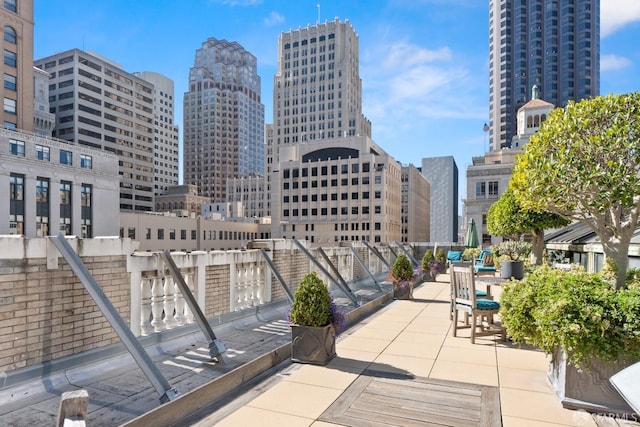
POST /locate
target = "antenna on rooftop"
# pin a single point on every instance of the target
(318, 5)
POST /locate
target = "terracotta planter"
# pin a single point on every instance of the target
(589, 390)
(314, 345)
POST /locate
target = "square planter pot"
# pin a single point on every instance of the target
(589, 390)
(314, 345)
(512, 269)
(401, 292)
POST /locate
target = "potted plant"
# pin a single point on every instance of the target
(441, 258)
(315, 322)
(513, 251)
(403, 277)
(430, 266)
(591, 329)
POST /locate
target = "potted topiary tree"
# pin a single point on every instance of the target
(513, 251)
(315, 321)
(441, 258)
(430, 267)
(403, 277)
(591, 330)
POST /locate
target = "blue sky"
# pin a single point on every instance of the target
(423, 63)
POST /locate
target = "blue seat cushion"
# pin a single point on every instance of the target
(454, 256)
(478, 268)
(481, 294)
(487, 304)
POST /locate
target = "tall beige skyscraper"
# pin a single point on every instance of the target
(223, 129)
(553, 44)
(17, 67)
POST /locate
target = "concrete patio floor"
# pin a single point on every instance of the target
(410, 337)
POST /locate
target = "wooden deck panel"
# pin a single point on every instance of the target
(374, 400)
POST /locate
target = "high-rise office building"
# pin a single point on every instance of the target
(97, 104)
(442, 174)
(223, 131)
(165, 139)
(553, 44)
(317, 91)
(17, 67)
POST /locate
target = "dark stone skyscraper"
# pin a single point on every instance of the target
(554, 44)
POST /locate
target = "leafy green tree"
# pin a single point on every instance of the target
(584, 165)
(507, 218)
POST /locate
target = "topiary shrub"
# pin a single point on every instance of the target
(577, 311)
(427, 259)
(401, 270)
(311, 303)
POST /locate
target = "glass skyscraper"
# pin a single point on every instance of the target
(223, 118)
(553, 44)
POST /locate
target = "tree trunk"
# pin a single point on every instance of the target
(619, 254)
(537, 246)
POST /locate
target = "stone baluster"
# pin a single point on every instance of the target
(180, 308)
(258, 284)
(157, 304)
(188, 278)
(145, 306)
(169, 302)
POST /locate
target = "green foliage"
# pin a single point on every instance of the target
(584, 165)
(311, 303)
(508, 219)
(574, 310)
(470, 254)
(401, 268)
(441, 257)
(427, 259)
(514, 249)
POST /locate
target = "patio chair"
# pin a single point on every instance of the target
(479, 293)
(453, 257)
(484, 264)
(480, 310)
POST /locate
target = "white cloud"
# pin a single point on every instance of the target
(406, 55)
(613, 62)
(615, 14)
(274, 18)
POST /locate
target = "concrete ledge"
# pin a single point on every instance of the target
(175, 411)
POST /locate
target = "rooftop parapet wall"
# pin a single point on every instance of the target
(46, 313)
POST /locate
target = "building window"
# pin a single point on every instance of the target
(9, 125)
(183, 234)
(131, 233)
(66, 157)
(10, 58)
(86, 162)
(16, 147)
(16, 204)
(194, 235)
(160, 233)
(42, 152)
(147, 234)
(10, 5)
(9, 82)
(480, 189)
(86, 213)
(10, 35)
(9, 105)
(172, 234)
(42, 207)
(493, 188)
(65, 207)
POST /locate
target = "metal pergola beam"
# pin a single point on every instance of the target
(276, 273)
(130, 342)
(377, 253)
(345, 290)
(406, 252)
(364, 267)
(216, 347)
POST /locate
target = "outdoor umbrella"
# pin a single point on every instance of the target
(471, 239)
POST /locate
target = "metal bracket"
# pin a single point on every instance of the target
(406, 252)
(130, 342)
(276, 273)
(216, 348)
(364, 267)
(377, 253)
(345, 289)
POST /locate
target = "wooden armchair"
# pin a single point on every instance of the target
(480, 310)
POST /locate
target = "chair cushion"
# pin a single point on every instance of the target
(486, 304)
(484, 268)
(454, 256)
(481, 294)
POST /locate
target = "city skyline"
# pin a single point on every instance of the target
(424, 65)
